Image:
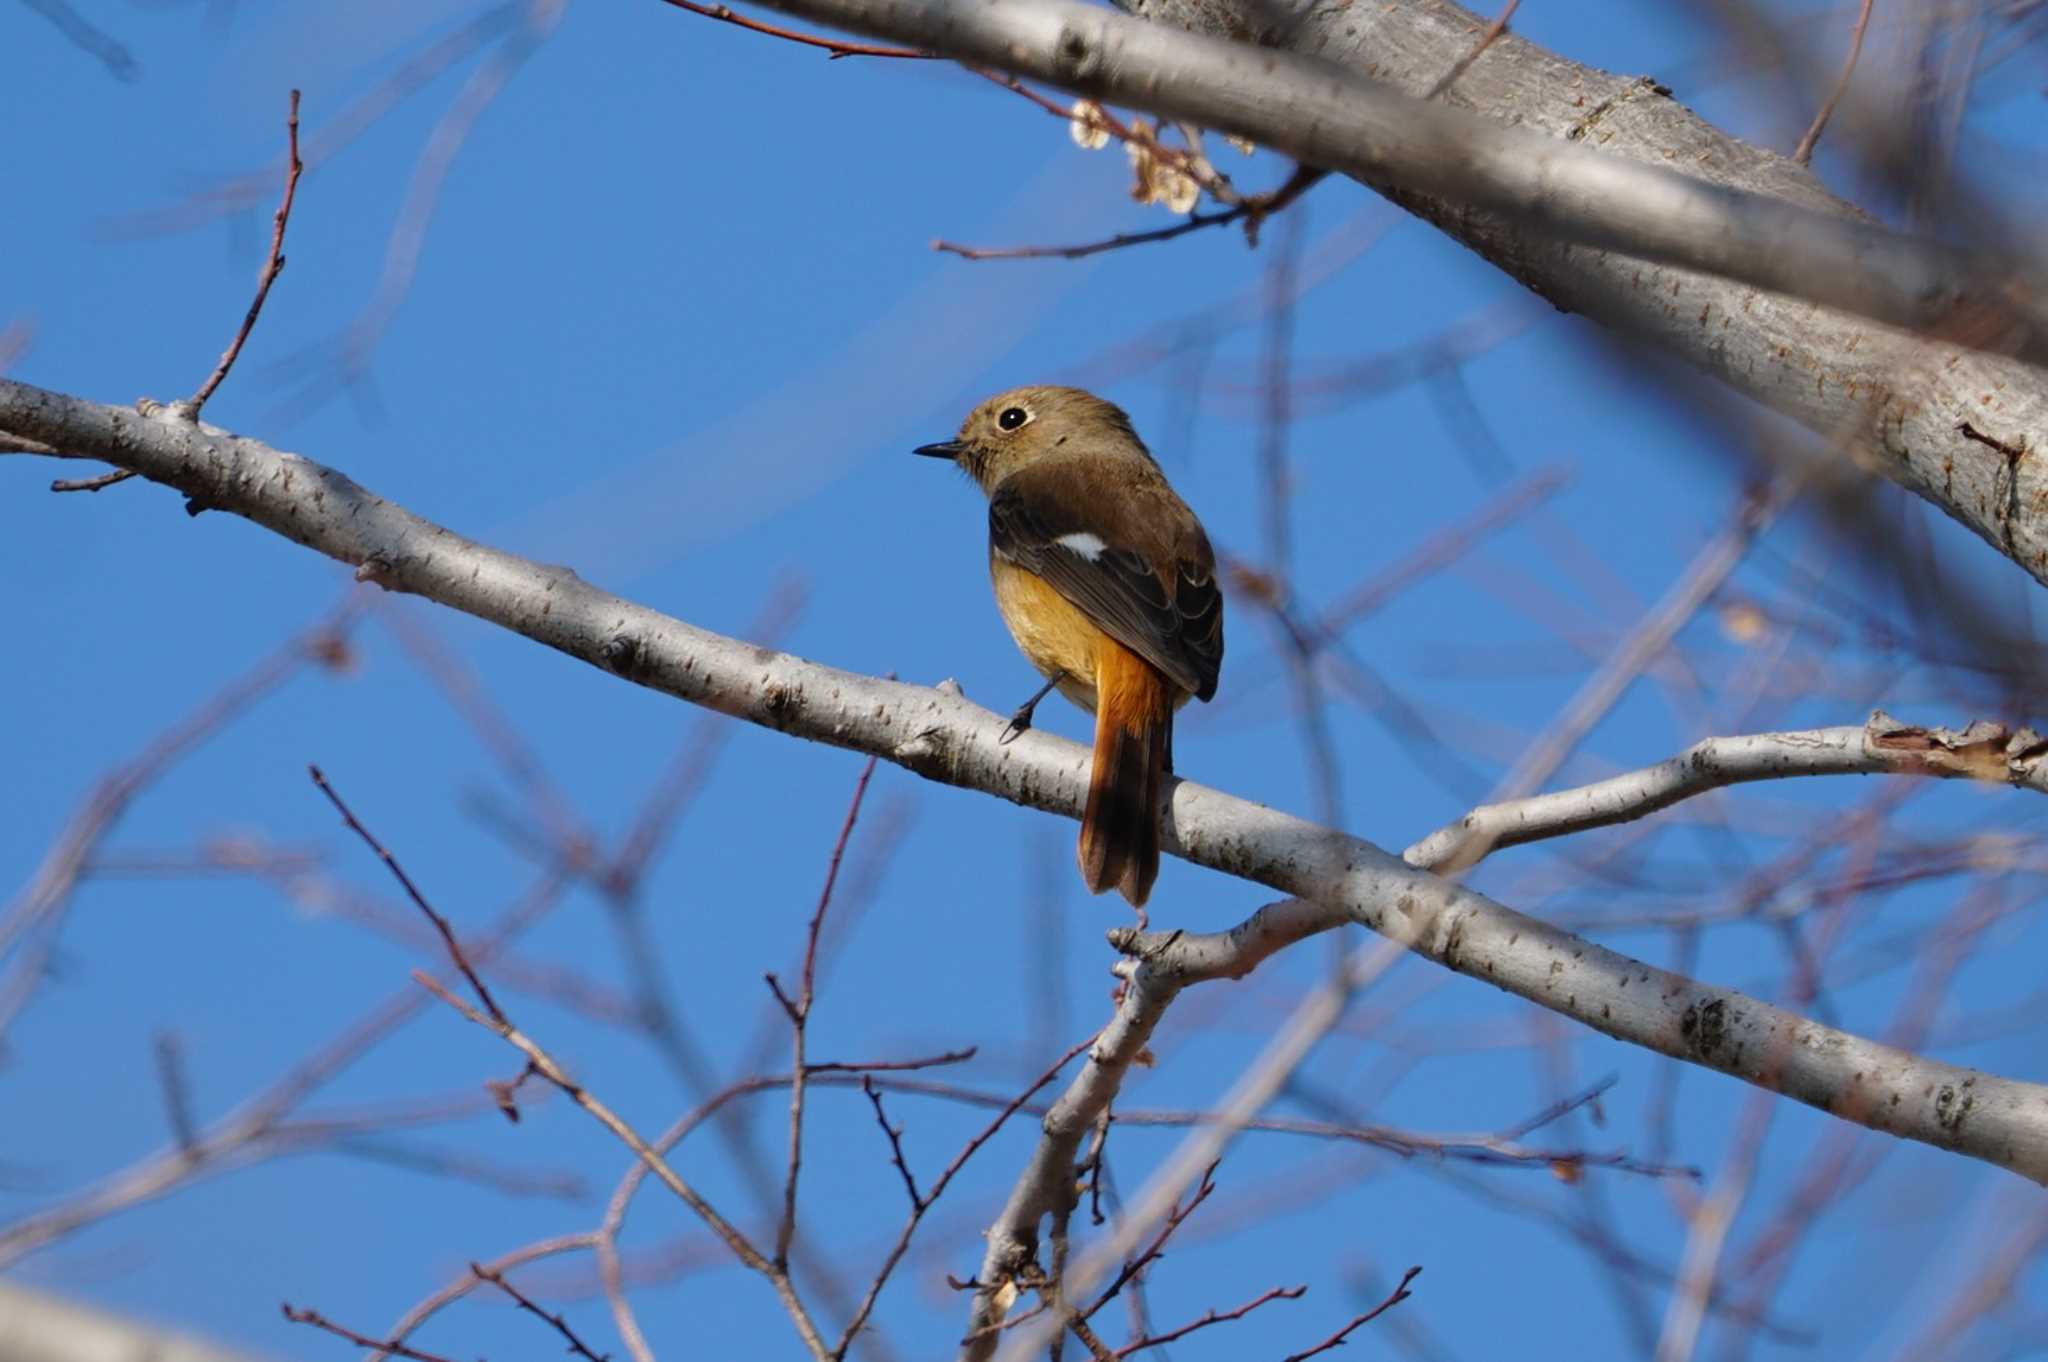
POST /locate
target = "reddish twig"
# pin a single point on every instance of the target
(92, 484)
(272, 266)
(1464, 63)
(987, 1133)
(1278, 1293)
(1251, 211)
(1158, 1244)
(405, 882)
(1803, 153)
(734, 1238)
(895, 1135)
(461, 1286)
(835, 48)
(389, 1346)
(894, 1065)
(1336, 1340)
(800, 1015)
(525, 1302)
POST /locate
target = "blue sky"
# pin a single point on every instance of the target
(676, 322)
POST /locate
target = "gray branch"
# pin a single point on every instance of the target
(1569, 179)
(1983, 751)
(1159, 964)
(937, 733)
(38, 1327)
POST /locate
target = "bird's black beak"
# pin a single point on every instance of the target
(944, 449)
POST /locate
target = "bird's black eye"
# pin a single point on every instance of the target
(1013, 417)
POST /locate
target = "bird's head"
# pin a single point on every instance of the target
(1016, 429)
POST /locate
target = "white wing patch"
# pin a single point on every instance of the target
(1089, 546)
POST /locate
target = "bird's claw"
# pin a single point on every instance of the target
(1020, 724)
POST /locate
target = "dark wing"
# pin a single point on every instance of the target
(1168, 612)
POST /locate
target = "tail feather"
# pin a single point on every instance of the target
(1133, 736)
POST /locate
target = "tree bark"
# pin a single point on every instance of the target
(1567, 183)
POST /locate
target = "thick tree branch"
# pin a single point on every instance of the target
(37, 1327)
(940, 735)
(1324, 115)
(1743, 265)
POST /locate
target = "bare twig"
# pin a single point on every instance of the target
(98, 482)
(1251, 211)
(834, 48)
(258, 1129)
(389, 1347)
(468, 1281)
(455, 953)
(800, 1015)
(1983, 751)
(1158, 1245)
(1486, 37)
(526, 1303)
(1278, 1293)
(895, 1254)
(895, 1137)
(1400, 1293)
(273, 265)
(1803, 153)
(734, 1239)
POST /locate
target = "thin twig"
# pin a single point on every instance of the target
(734, 1239)
(1251, 211)
(389, 1346)
(1336, 1340)
(1464, 63)
(1803, 153)
(272, 266)
(835, 48)
(987, 1133)
(1278, 1293)
(525, 1302)
(895, 1135)
(92, 484)
(800, 1015)
(1158, 1244)
(412, 891)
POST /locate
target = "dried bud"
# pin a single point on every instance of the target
(1088, 127)
(1742, 622)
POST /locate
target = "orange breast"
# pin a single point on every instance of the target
(1050, 629)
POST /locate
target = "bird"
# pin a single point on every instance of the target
(1107, 583)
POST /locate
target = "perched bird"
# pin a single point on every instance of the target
(1108, 584)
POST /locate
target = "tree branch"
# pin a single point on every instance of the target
(1576, 158)
(937, 733)
(1983, 751)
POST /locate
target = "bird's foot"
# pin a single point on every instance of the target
(1021, 719)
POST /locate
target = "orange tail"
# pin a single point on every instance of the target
(1133, 734)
